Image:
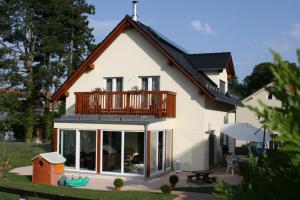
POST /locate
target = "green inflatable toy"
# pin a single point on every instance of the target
(78, 182)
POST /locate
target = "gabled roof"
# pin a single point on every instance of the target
(257, 92)
(52, 157)
(212, 61)
(175, 55)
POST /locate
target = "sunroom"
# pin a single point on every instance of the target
(110, 145)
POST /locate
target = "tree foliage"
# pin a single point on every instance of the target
(41, 43)
(277, 175)
(259, 78)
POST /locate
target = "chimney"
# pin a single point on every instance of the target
(134, 10)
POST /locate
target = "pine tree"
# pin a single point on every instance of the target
(45, 40)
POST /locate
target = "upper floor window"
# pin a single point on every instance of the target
(222, 86)
(270, 96)
(113, 84)
(148, 83)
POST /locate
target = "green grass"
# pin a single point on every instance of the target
(20, 154)
(207, 190)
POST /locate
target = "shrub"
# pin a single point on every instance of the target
(165, 189)
(173, 179)
(118, 182)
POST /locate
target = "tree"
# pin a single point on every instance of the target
(275, 176)
(261, 76)
(45, 40)
(235, 87)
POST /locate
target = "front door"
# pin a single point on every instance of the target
(211, 141)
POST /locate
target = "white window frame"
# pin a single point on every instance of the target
(164, 153)
(150, 78)
(77, 149)
(114, 83)
(122, 173)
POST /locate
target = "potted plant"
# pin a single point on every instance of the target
(118, 183)
(173, 180)
(165, 189)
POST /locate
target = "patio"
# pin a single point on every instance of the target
(105, 182)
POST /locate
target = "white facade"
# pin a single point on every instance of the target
(218, 75)
(245, 115)
(131, 56)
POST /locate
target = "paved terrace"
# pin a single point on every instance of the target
(105, 182)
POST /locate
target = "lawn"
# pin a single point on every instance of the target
(20, 154)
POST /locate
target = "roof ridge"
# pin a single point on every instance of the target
(224, 52)
(160, 36)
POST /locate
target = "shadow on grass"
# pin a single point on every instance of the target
(206, 190)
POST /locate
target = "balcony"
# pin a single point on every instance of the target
(161, 104)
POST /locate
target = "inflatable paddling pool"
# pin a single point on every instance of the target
(78, 182)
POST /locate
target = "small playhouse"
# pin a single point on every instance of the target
(47, 168)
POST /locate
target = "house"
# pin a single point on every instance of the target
(139, 103)
(245, 115)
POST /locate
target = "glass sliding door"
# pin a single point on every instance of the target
(111, 151)
(79, 149)
(153, 152)
(134, 152)
(88, 150)
(157, 151)
(67, 147)
(169, 148)
(160, 152)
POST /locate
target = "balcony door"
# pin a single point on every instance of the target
(149, 84)
(114, 85)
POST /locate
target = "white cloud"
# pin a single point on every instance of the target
(102, 26)
(202, 27)
(296, 31)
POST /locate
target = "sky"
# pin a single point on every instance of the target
(247, 29)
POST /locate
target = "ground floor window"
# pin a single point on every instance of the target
(111, 151)
(67, 147)
(134, 152)
(79, 149)
(161, 147)
(169, 148)
(88, 150)
(122, 152)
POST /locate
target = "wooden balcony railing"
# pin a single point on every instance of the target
(154, 103)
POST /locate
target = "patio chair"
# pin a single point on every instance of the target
(231, 163)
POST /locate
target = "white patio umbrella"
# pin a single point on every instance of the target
(246, 132)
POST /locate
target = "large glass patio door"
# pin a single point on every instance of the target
(111, 151)
(88, 150)
(67, 147)
(79, 149)
(123, 152)
(157, 151)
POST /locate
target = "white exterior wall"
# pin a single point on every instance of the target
(216, 76)
(131, 56)
(245, 115)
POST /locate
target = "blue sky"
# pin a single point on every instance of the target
(248, 29)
